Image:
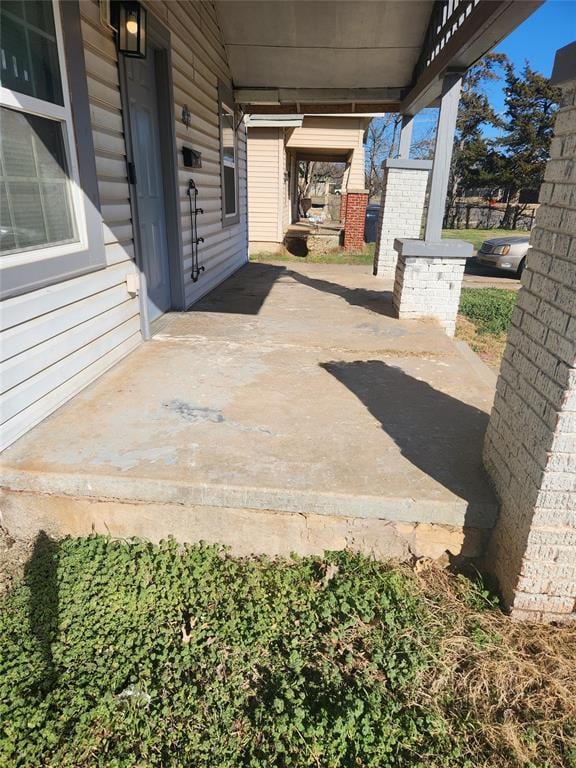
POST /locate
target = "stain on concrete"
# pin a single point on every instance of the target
(379, 330)
(196, 414)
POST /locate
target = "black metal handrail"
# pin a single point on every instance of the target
(192, 192)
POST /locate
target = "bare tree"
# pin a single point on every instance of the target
(313, 171)
(423, 147)
(381, 140)
(306, 170)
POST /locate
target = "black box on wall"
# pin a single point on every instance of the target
(192, 158)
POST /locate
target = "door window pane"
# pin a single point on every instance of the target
(36, 205)
(29, 51)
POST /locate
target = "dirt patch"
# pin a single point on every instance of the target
(14, 554)
(489, 347)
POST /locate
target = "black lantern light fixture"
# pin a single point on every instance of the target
(131, 29)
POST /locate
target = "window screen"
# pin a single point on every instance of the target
(29, 50)
(36, 209)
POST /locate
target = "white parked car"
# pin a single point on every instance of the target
(508, 253)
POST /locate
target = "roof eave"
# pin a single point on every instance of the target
(491, 22)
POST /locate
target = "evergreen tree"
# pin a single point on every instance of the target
(531, 105)
(472, 150)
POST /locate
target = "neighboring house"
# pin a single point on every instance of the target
(276, 144)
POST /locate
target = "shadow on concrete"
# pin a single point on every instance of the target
(377, 301)
(439, 434)
(244, 293)
(41, 578)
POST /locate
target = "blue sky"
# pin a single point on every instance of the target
(550, 27)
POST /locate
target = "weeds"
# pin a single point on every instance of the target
(119, 654)
(490, 309)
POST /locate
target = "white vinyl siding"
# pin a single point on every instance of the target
(58, 339)
(327, 132)
(198, 62)
(265, 191)
(357, 176)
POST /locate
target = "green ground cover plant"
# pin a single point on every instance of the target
(124, 654)
(490, 309)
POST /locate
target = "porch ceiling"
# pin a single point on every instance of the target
(311, 56)
(318, 44)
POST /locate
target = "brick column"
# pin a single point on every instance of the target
(428, 280)
(356, 202)
(401, 209)
(530, 448)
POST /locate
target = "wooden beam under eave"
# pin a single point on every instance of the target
(318, 95)
(328, 157)
(483, 29)
(320, 109)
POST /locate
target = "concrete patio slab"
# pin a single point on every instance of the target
(288, 391)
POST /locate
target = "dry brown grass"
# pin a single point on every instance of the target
(517, 679)
(488, 346)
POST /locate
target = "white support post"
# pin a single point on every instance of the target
(405, 137)
(443, 155)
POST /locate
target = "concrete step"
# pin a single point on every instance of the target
(380, 527)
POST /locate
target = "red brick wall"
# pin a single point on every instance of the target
(356, 203)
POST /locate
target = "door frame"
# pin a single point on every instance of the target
(159, 36)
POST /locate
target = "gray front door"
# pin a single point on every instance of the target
(151, 214)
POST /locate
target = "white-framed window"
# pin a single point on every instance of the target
(228, 157)
(43, 218)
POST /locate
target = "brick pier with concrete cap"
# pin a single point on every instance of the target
(289, 412)
(428, 280)
(355, 218)
(401, 209)
(530, 448)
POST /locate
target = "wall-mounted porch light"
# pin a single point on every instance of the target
(131, 29)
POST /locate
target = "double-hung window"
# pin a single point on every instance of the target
(49, 220)
(228, 157)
